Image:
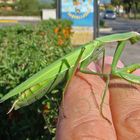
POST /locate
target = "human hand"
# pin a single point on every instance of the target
(82, 119)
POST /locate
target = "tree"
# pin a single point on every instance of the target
(127, 5)
(117, 2)
(54, 4)
(136, 3)
(131, 5)
(28, 5)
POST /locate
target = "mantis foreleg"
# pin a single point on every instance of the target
(117, 55)
(90, 85)
(125, 72)
(130, 68)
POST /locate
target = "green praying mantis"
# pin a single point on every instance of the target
(45, 80)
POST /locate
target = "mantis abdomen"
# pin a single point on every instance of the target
(35, 92)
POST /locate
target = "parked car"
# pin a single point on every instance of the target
(101, 14)
(109, 14)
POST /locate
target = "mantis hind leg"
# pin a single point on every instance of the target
(104, 92)
(103, 99)
(130, 68)
(83, 70)
(90, 85)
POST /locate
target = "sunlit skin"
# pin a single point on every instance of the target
(83, 120)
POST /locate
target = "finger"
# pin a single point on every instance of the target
(94, 67)
(125, 107)
(107, 64)
(82, 120)
(137, 72)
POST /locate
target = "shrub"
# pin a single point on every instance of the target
(60, 32)
(102, 23)
(24, 50)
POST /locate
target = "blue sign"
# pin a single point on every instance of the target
(78, 11)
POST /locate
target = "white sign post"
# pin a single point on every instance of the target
(48, 13)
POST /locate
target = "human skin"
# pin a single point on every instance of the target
(125, 108)
(125, 105)
(80, 118)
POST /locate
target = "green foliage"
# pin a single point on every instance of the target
(102, 23)
(27, 6)
(117, 2)
(54, 4)
(19, 13)
(60, 31)
(109, 7)
(46, 6)
(24, 8)
(129, 6)
(24, 50)
(7, 4)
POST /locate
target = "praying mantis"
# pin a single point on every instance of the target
(45, 80)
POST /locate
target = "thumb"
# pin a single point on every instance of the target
(125, 108)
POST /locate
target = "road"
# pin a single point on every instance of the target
(12, 23)
(122, 25)
(131, 54)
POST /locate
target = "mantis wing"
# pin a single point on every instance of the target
(49, 73)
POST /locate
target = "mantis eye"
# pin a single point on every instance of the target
(128, 71)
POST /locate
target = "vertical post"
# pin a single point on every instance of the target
(96, 19)
(58, 9)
